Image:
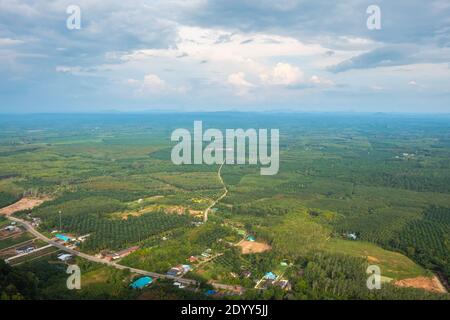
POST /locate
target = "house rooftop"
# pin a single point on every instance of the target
(270, 276)
(62, 237)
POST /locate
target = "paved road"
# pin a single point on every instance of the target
(205, 216)
(39, 235)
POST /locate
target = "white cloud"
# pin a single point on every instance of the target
(376, 88)
(415, 84)
(132, 81)
(221, 45)
(237, 80)
(154, 83)
(81, 71)
(209, 58)
(320, 81)
(17, 7)
(283, 74)
(67, 69)
(9, 42)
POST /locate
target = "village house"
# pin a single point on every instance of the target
(179, 270)
(25, 249)
(351, 236)
(10, 228)
(120, 254)
(64, 257)
(283, 284)
(193, 259)
(246, 274)
(175, 272)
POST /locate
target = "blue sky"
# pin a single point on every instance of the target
(225, 55)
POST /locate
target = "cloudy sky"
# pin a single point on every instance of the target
(315, 55)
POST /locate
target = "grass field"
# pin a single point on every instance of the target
(393, 265)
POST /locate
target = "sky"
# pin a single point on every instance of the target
(238, 55)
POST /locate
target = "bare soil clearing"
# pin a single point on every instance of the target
(196, 213)
(22, 204)
(372, 259)
(179, 210)
(430, 284)
(248, 247)
(10, 234)
(11, 251)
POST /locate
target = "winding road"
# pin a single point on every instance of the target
(205, 215)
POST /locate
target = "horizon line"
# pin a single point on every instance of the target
(113, 112)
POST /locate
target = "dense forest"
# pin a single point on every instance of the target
(426, 238)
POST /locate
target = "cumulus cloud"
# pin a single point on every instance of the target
(207, 44)
(321, 81)
(237, 80)
(283, 74)
(154, 83)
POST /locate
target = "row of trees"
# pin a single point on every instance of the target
(114, 233)
(427, 240)
(7, 198)
(420, 183)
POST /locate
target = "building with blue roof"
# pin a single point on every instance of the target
(270, 276)
(62, 237)
(210, 292)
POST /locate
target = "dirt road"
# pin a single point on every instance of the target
(205, 215)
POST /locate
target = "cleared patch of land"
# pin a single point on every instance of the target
(393, 264)
(248, 247)
(430, 284)
(11, 251)
(150, 209)
(34, 255)
(22, 204)
(16, 239)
